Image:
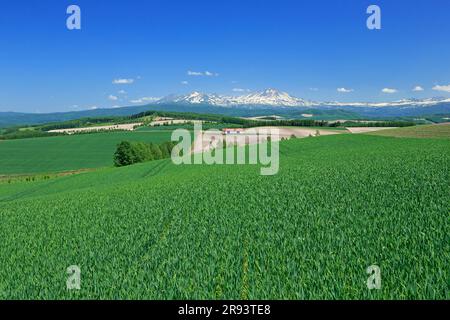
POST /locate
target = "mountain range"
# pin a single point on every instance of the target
(275, 98)
(267, 102)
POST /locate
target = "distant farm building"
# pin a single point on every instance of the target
(227, 131)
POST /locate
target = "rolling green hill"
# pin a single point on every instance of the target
(158, 231)
(63, 153)
(8, 119)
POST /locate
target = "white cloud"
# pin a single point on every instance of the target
(195, 73)
(389, 90)
(442, 88)
(112, 98)
(152, 99)
(184, 83)
(145, 99)
(116, 106)
(313, 89)
(417, 88)
(211, 74)
(240, 90)
(202, 74)
(344, 90)
(123, 81)
(93, 107)
(122, 92)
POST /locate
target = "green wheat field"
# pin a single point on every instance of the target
(158, 231)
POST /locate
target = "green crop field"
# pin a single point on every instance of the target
(158, 231)
(441, 131)
(63, 153)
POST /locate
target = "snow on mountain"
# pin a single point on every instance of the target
(275, 98)
(200, 98)
(271, 97)
(268, 97)
(400, 103)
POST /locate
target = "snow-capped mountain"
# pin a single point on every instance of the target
(268, 97)
(197, 98)
(271, 97)
(400, 103)
(275, 98)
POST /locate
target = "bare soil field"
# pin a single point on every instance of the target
(169, 121)
(367, 129)
(127, 127)
(209, 140)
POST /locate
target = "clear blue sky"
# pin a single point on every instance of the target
(307, 48)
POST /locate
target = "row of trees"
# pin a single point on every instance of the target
(16, 133)
(82, 122)
(129, 152)
(192, 116)
(376, 124)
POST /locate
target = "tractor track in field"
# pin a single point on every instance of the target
(156, 169)
(27, 192)
(150, 173)
(245, 284)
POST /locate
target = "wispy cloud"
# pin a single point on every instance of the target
(442, 88)
(417, 88)
(194, 73)
(123, 81)
(314, 89)
(145, 99)
(151, 98)
(122, 92)
(112, 97)
(344, 90)
(184, 83)
(211, 74)
(389, 90)
(240, 90)
(202, 74)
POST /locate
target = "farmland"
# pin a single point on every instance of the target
(62, 153)
(86, 151)
(441, 131)
(158, 231)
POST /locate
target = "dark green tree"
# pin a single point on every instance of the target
(124, 155)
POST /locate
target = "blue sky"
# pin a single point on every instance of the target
(307, 48)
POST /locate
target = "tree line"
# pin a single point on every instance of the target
(130, 152)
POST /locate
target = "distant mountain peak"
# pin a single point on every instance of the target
(267, 97)
(270, 92)
(275, 98)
